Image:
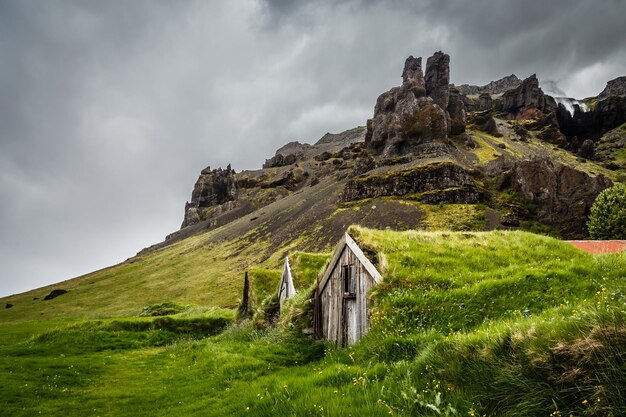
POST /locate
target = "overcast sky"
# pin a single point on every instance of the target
(110, 109)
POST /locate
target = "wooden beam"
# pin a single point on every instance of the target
(347, 241)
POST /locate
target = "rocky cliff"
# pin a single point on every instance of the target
(614, 88)
(602, 115)
(560, 195)
(490, 148)
(441, 182)
(596, 122)
(525, 99)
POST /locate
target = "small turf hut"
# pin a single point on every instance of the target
(341, 309)
(286, 290)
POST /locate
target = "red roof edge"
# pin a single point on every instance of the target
(599, 246)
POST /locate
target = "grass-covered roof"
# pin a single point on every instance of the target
(455, 281)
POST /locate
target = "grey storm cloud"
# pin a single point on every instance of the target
(109, 109)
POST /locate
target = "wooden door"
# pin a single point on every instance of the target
(349, 324)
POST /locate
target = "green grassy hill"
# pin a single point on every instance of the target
(449, 336)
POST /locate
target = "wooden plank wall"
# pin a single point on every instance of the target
(283, 290)
(332, 297)
(286, 289)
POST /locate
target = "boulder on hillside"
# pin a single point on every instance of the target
(484, 121)
(55, 293)
(485, 102)
(586, 150)
(547, 128)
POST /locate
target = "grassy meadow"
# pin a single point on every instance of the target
(449, 337)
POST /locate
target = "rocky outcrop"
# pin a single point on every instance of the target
(214, 188)
(546, 128)
(485, 102)
(280, 160)
(443, 182)
(420, 111)
(609, 113)
(437, 79)
(525, 99)
(614, 88)
(610, 146)
(343, 139)
(412, 75)
(456, 111)
(603, 115)
(494, 87)
(288, 155)
(587, 149)
(484, 121)
(591, 118)
(221, 195)
(404, 117)
(561, 195)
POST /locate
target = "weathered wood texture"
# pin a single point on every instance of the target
(343, 300)
(286, 290)
(317, 313)
(245, 299)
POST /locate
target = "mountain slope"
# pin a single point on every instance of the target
(207, 268)
(424, 161)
